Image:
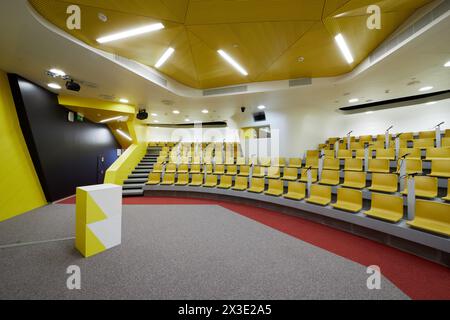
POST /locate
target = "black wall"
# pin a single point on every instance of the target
(65, 154)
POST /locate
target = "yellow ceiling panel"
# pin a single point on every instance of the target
(266, 37)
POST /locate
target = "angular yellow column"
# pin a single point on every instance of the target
(98, 218)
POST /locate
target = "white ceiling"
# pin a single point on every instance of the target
(29, 49)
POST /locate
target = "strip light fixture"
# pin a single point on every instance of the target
(344, 48)
(54, 86)
(164, 57)
(233, 62)
(110, 119)
(123, 134)
(131, 33)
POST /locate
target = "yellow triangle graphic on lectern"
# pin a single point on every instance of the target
(94, 212)
(93, 244)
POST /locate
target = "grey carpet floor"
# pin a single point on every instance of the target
(176, 252)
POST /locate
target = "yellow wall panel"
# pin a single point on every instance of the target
(20, 189)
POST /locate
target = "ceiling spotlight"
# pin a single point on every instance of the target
(261, 107)
(427, 88)
(431, 103)
(187, 120)
(354, 100)
(155, 121)
(54, 86)
(342, 44)
(131, 33)
(368, 112)
(164, 57)
(447, 64)
(58, 72)
(232, 62)
(205, 111)
(176, 112)
(300, 59)
(102, 17)
(124, 100)
(123, 134)
(154, 114)
(111, 119)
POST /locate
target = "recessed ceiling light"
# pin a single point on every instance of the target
(430, 103)
(164, 57)
(300, 59)
(123, 134)
(205, 111)
(57, 72)
(176, 112)
(187, 120)
(123, 100)
(427, 88)
(110, 119)
(354, 100)
(131, 33)
(154, 114)
(54, 86)
(261, 107)
(102, 17)
(342, 44)
(232, 62)
(369, 112)
(447, 64)
(155, 121)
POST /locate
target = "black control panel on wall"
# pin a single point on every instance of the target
(259, 116)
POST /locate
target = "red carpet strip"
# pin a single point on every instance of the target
(416, 277)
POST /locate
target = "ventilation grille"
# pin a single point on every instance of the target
(431, 16)
(227, 90)
(300, 82)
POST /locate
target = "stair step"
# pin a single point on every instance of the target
(138, 175)
(136, 180)
(130, 193)
(146, 163)
(147, 171)
(139, 167)
(133, 186)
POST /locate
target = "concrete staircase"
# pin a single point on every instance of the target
(135, 183)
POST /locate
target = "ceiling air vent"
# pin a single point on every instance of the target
(227, 90)
(300, 82)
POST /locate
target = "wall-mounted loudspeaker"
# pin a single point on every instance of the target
(259, 116)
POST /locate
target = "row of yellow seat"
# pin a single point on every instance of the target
(409, 136)
(383, 206)
(412, 153)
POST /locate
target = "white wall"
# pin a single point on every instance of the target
(192, 134)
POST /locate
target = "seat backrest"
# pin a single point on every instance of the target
(354, 164)
(295, 161)
(171, 167)
(414, 152)
(209, 167)
(211, 178)
(276, 185)
(312, 154)
(365, 139)
(441, 166)
(423, 143)
(244, 169)
(344, 153)
(183, 177)
(305, 175)
(183, 167)
(432, 210)
(290, 172)
(169, 177)
(329, 154)
(318, 190)
(349, 195)
(356, 145)
(197, 178)
(355, 176)
(195, 167)
(226, 180)
(414, 165)
(387, 202)
(426, 183)
(219, 168)
(360, 154)
(297, 187)
(257, 169)
(157, 166)
(445, 142)
(378, 164)
(154, 176)
(240, 161)
(385, 153)
(258, 182)
(241, 181)
(231, 168)
(330, 175)
(331, 163)
(407, 136)
(273, 171)
(427, 134)
(385, 179)
(443, 153)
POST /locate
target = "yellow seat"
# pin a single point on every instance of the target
(437, 154)
(423, 143)
(196, 160)
(290, 174)
(447, 133)
(295, 163)
(168, 179)
(218, 160)
(207, 160)
(386, 207)
(353, 165)
(264, 162)
(171, 168)
(426, 187)
(219, 169)
(183, 179)
(354, 179)
(356, 145)
(296, 191)
(258, 172)
(432, 216)
(275, 188)
(229, 161)
(225, 182)
(331, 164)
(157, 168)
(231, 170)
(345, 154)
(195, 168)
(447, 197)
(184, 160)
(407, 136)
(312, 162)
(211, 181)
(330, 177)
(257, 185)
(273, 173)
(208, 168)
(320, 195)
(379, 165)
(154, 178)
(388, 154)
(329, 154)
(365, 139)
(240, 161)
(348, 200)
(445, 142)
(413, 153)
(161, 160)
(183, 168)
(197, 180)
(279, 162)
(304, 175)
(384, 182)
(244, 171)
(412, 166)
(440, 168)
(240, 184)
(361, 154)
(427, 134)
